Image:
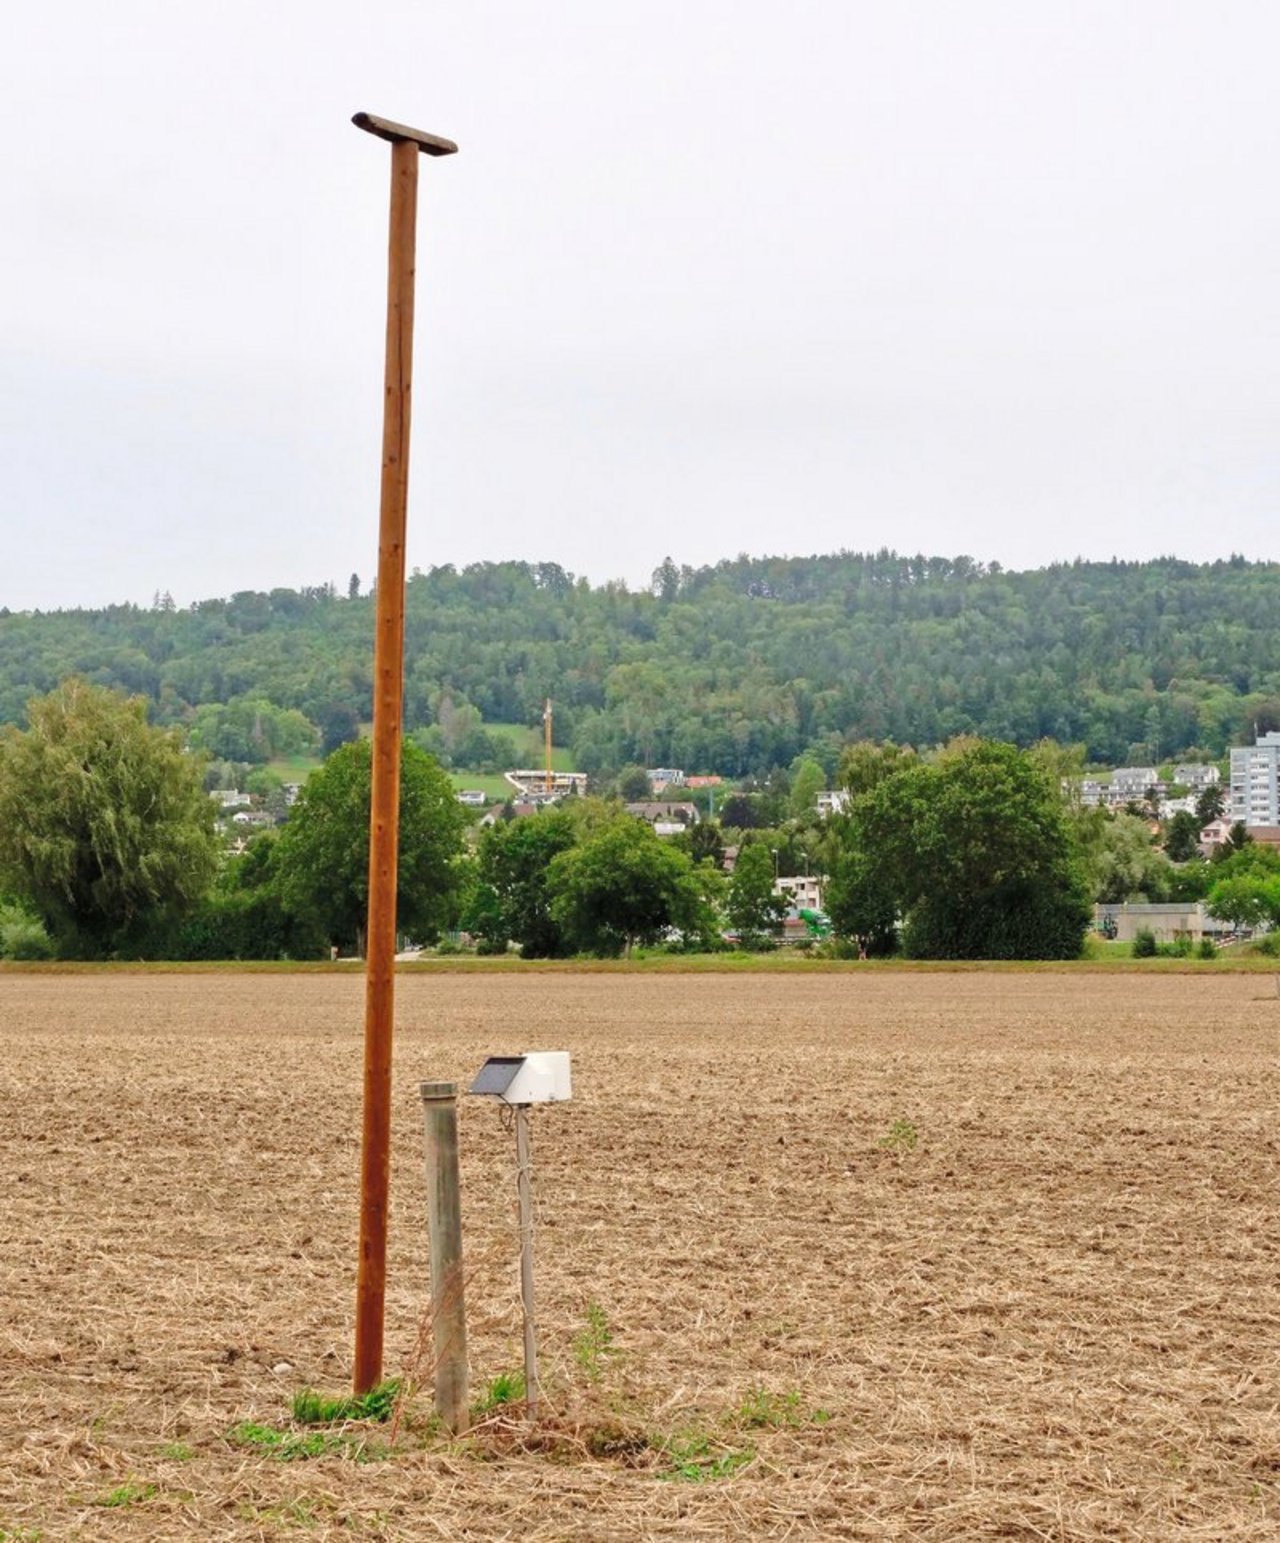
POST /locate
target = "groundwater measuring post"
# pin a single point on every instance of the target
(524, 1191)
(388, 691)
(444, 1232)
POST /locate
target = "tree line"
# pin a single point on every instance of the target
(734, 668)
(107, 841)
(974, 850)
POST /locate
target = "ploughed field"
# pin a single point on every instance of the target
(870, 1254)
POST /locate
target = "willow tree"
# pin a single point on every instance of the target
(105, 830)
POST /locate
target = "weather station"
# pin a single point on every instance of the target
(518, 1082)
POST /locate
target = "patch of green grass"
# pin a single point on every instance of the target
(312, 1408)
(902, 1136)
(286, 1446)
(593, 1343)
(20, 1535)
(506, 1388)
(696, 1459)
(177, 1452)
(1098, 947)
(495, 788)
(763, 1410)
(131, 1492)
(295, 768)
(302, 1511)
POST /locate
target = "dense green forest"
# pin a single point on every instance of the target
(733, 668)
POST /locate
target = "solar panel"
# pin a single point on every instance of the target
(497, 1074)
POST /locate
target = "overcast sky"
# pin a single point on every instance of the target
(996, 277)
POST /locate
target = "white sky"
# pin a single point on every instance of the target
(996, 277)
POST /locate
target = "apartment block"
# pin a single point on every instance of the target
(1255, 781)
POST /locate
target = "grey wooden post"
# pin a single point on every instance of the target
(444, 1235)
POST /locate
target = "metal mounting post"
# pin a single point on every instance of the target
(524, 1190)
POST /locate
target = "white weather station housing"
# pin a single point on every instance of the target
(538, 1077)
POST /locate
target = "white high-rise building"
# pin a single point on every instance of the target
(1255, 781)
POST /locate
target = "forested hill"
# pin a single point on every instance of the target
(732, 668)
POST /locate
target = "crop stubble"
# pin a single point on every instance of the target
(1057, 1315)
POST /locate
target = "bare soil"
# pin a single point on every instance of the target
(881, 1256)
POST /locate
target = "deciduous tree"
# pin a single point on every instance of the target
(1125, 863)
(105, 828)
(1246, 899)
(624, 886)
(753, 910)
(323, 852)
(513, 899)
(976, 849)
(859, 902)
(807, 781)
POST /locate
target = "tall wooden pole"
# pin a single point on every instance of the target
(388, 682)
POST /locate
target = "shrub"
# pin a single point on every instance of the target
(22, 936)
(1037, 918)
(244, 924)
(1268, 944)
(837, 948)
(1206, 949)
(1144, 944)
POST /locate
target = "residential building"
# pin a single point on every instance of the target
(1213, 835)
(666, 819)
(230, 798)
(832, 801)
(256, 817)
(1255, 781)
(663, 777)
(803, 892)
(1196, 776)
(520, 809)
(1131, 784)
